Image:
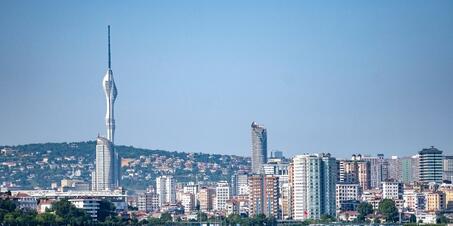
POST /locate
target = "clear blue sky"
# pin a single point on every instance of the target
(323, 76)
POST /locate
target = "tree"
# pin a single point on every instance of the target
(154, 221)
(26, 217)
(442, 220)
(388, 209)
(326, 219)
(364, 209)
(69, 213)
(166, 217)
(106, 209)
(7, 205)
(202, 216)
(46, 219)
(413, 218)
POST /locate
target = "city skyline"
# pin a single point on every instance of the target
(378, 91)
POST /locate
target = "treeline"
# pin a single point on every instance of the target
(62, 212)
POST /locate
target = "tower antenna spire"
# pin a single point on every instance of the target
(110, 61)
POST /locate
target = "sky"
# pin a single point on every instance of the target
(322, 76)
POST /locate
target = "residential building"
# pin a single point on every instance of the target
(239, 184)
(312, 181)
(345, 193)
(394, 168)
(447, 189)
(222, 195)
(148, 201)
(373, 197)
(117, 197)
(166, 190)
(188, 201)
(413, 200)
(280, 170)
(205, 198)
(409, 169)
(264, 195)
(426, 218)
(353, 171)
(274, 168)
(448, 168)
(285, 200)
(232, 207)
(91, 206)
(435, 201)
(378, 169)
(44, 205)
(25, 201)
(392, 189)
(192, 188)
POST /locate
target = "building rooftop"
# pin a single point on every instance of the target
(431, 150)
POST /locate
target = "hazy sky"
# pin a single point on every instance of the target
(332, 76)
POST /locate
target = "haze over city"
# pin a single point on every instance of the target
(343, 77)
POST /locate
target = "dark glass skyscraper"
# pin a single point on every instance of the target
(430, 165)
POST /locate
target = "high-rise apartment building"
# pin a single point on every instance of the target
(280, 170)
(222, 195)
(379, 169)
(148, 201)
(448, 168)
(285, 200)
(239, 184)
(166, 190)
(353, 171)
(312, 181)
(409, 169)
(431, 165)
(188, 202)
(259, 147)
(205, 196)
(264, 195)
(394, 168)
(107, 174)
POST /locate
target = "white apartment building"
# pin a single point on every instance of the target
(312, 180)
(91, 206)
(392, 190)
(222, 193)
(347, 192)
(188, 201)
(166, 190)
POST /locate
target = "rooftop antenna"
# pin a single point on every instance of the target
(110, 64)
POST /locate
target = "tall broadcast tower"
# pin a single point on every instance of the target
(108, 171)
(110, 95)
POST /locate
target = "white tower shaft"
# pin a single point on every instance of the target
(110, 94)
